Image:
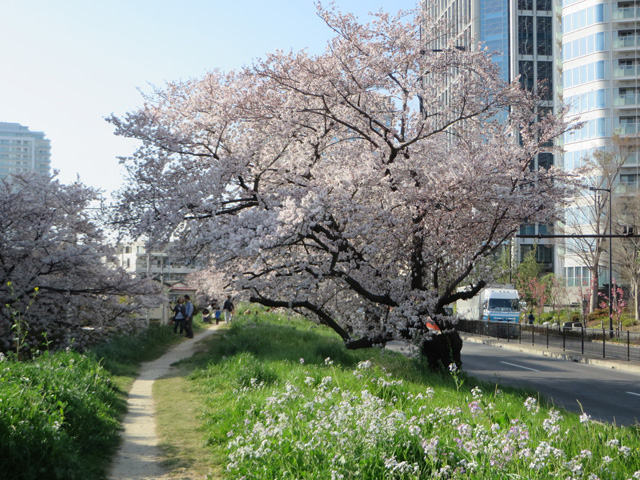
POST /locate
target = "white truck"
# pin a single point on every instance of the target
(496, 303)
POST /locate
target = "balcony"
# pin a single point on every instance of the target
(627, 129)
(626, 189)
(626, 100)
(626, 13)
(629, 41)
(626, 71)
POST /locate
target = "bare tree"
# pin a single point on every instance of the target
(590, 212)
(626, 216)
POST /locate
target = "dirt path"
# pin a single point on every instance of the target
(138, 457)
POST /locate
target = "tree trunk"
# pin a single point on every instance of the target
(636, 300)
(443, 349)
(595, 281)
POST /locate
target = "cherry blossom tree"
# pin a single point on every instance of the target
(618, 302)
(212, 286)
(362, 186)
(57, 284)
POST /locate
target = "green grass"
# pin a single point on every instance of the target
(284, 399)
(277, 397)
(60, 413)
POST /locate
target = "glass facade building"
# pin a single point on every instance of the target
(522, 37)
(494, 32)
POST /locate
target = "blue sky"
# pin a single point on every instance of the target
(67, 64)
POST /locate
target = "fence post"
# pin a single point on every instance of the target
(582, 339)
(520, 336)
(533, 332)
(564, 340)
(547, 336)
(603, 343)
(628, 347)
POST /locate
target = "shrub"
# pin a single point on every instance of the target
(597, 314)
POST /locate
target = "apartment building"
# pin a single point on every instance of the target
(22, 150)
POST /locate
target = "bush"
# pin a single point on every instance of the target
(58, 417)
(598, 314)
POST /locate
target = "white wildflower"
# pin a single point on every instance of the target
(364, 365)
(584, 418)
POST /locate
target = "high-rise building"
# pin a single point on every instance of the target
(601, 86)
(522, 37)
(22, 150)
(585, 54)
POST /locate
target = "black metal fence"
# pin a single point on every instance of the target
(620, 345)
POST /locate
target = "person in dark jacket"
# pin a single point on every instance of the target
(179, 315)
(188, 323)
(227, 309)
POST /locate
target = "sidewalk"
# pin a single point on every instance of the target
(138, 457)
(626, 366)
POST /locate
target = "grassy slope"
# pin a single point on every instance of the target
(262, 352)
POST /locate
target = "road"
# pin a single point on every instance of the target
(607, 395)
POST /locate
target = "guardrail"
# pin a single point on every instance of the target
(621, 345)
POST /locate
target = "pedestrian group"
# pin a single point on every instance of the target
(183, 311)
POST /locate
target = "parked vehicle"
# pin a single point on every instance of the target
(572, 326)
(494, 304)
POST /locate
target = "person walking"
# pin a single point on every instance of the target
(227, 309)
(531, 318)
(179, 315)
(188, 324)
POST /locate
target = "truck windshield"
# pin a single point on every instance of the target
(503, 304)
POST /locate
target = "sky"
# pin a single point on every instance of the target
(66, 65)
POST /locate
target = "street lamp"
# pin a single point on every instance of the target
(608, 190)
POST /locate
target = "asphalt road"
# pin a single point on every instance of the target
(607, 395)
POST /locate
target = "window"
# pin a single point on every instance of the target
(527, 229)
(599, 12)
(569, 275)
(526, 74)
(543, 36)
(525, 4)
(544, 253)
(545, 161)
(525, 35)
(600, 99)
(543, 5)
(545, 79)
(631, 179)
